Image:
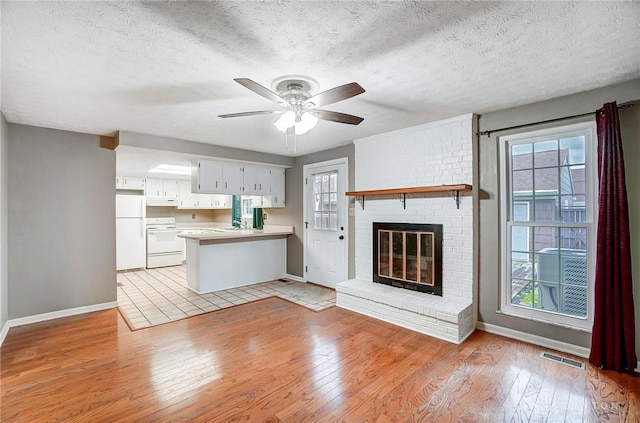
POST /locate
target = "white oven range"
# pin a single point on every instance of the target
(164, 248)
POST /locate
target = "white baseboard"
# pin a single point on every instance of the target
(534, 339)
(60, 313)
(294, 278)
(4, 332)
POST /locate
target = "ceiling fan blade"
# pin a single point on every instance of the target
(259, 89)
(336, 94)
(337, 117)
(260, 112)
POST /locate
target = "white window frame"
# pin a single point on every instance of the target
(588, 130)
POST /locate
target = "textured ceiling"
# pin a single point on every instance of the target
(167, 68)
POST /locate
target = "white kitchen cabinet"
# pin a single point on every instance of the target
(170, 189)
(191, 200)
(203, 201)
(186, 198)
(250, 179)
(232, 174)
(207, 177)
(213, 201)
(216, 177)
(129, 182)
(220, 201)
(154, 189)
(276, 197)
(256, 180)
(161, 191)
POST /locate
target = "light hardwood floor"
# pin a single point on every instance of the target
(271, 360)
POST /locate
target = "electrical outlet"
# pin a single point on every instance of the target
(264, 217)
(193, 216)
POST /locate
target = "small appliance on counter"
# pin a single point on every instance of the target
(164, 248)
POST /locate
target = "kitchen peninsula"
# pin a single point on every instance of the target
(219, 259)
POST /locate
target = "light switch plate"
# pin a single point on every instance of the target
(352, 211)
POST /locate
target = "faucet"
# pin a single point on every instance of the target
(240, 224)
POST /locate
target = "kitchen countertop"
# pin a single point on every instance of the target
(213, 233)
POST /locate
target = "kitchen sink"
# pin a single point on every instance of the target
(200, 231)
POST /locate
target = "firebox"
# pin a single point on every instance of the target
(408, 255)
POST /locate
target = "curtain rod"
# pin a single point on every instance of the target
(488, 133)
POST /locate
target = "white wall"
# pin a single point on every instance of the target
(62, 211)
(4, 298)
(432, 154)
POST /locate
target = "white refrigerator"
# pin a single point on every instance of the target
(131, 245)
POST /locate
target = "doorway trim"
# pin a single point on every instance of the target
(306, 173)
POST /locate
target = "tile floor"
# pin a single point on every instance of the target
(155, 296)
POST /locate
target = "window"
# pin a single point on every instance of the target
(325, 192)
(247, 207)
(548, 206)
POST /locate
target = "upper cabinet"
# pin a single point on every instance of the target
(256, 180)
(232, 175)
(276, 194)
(207, 176)
(163, 191)
(129, 182)
(190, 200)
(186, 198)
(215, 177)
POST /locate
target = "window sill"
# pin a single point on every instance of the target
(546, 321)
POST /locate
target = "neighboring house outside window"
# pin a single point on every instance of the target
(548, 181)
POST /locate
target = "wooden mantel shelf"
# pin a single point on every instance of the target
(402, 192)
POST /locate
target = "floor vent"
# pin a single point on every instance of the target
(563, 360)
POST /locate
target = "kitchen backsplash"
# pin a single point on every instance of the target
(189, 216)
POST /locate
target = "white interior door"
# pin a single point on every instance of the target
(326, 222)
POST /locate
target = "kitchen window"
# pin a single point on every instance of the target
(548, 206)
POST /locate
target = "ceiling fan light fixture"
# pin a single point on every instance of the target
(308, 120)
(286, 121)
(301, 129)
(294, 95)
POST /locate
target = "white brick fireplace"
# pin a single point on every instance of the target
(438, 153)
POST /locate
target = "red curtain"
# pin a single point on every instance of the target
(613, 336)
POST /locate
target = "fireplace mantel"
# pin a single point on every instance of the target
(402, 192)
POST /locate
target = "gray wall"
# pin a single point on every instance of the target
(292, 213)
(630, 128)
(4, 172)
(490, 237)
(62, 213)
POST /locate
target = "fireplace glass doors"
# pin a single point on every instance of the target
(408, 256)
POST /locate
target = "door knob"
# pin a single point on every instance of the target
(341, 237)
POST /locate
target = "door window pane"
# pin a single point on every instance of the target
(325, 189)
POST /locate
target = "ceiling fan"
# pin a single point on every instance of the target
(299, 107)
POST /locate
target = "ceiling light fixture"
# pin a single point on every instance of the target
(171, 169)
(302, 121)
